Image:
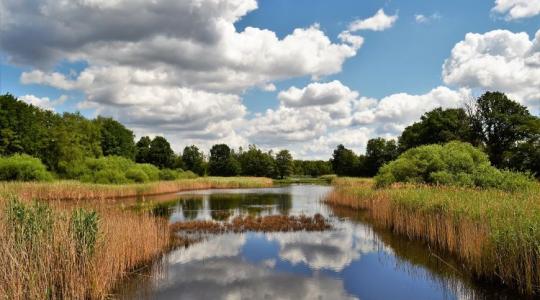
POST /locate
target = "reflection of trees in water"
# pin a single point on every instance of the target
(441, 267)
(252, 204)
(191, 207)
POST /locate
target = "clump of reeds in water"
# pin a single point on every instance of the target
(273, 223)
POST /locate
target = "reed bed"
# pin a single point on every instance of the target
(274, 223)
(495, 234)
(75, 190)
(44, 256)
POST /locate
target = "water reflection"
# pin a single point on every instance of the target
(354, 260)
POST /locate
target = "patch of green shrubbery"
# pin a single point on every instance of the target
(455, 163)
(22, 167)
(120, 170)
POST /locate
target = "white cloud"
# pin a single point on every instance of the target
(43, 102)
(313, 120)
(517, 9)
(379, 22)
(497, 60)
(161, 74)
(317, 94)
(423, 19)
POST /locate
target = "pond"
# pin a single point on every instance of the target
(353, 260)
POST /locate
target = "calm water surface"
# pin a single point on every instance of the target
(351, 261)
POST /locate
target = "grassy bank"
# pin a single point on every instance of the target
(53, 250)
(74, 190)
(495, 234)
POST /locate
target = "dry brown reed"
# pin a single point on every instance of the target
(74, 190)
(494, 234)
(273, 223)
(51, 267)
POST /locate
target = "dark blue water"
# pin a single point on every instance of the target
(351, 261)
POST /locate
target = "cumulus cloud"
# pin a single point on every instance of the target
(314, 119)
(43, 102)
(317, 94)
(379, 22)
(497, 60)
(179, 67)
(517, 9)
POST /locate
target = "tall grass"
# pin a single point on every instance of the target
(496, 234)
(74, 190)
(49, 253)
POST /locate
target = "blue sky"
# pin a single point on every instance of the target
(195, 71)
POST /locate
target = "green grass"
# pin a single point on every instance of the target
(325, 179)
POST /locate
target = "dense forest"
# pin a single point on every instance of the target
(72, 146)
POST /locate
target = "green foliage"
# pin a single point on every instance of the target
(193, 160)
(22, 167)
(85, 229)
(438, 126)
(344, 162)
(284, 163)
(222, 162)
(142, 153)
(113, 170)
(168, 174)
(313, 168)
(29, 223)
(161, 153)
(255, 162)
(116, 139)
(378, 152)
(137, 174)
(500, 123)
(455, 163)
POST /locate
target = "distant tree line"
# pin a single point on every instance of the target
(505, 130)
(502, 128)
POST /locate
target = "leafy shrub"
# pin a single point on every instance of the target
(108, 176)
(168, 174)
(137, 174)
(187, 175)
(454, 163)
(22, 167)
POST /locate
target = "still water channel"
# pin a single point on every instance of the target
(354, 260)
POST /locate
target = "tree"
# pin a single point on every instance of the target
(438, 126)
(379, 152)
(222, 162)
(161, 153)
(284, 163)
(344, 161)
(255, 162)
(116, 139)
(142, 154)
(193, 160)
(499, 124)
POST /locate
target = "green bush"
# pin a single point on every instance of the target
(137, 174)
(187, 175)
(22, 167)
(109, 176)
(454, 163)
(168, 174)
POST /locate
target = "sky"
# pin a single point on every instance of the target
(305, 75)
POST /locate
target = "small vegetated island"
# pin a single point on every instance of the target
(461, 180)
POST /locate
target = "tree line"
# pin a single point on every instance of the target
(64, 142)
(504, 129)
(499, 126)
